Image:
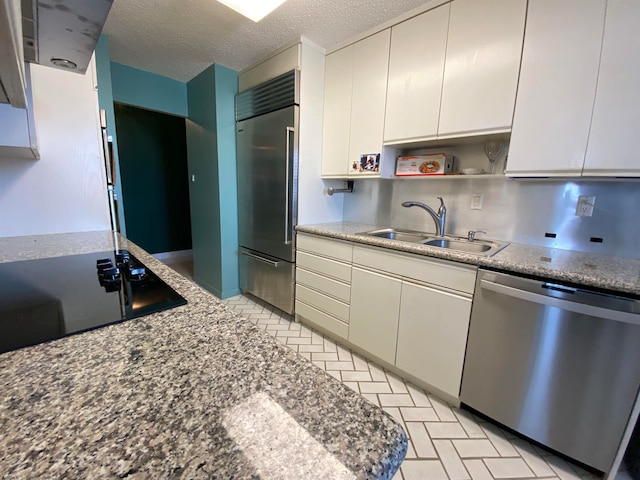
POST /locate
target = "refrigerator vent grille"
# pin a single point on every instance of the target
(269, 96)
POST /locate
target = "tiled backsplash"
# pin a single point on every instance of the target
(522, 211)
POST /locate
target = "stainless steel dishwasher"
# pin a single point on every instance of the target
(559, 364)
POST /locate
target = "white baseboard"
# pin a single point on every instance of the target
(176, 256)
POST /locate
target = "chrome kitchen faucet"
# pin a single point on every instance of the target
(439, 218)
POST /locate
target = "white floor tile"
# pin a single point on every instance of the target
(357, 376)
(450, 459)
(475, 448)
(352, 385)
(535, 461)
(420, 398)
(374, 387)
(420, 440)
(377, 373)
(372, 397)
(442, 409)
(325, 356)
(359, 362)
(562, 468)
(422, 470)
(344, 355)
(339, 365)
(397, 384)
(395, 400)
(503, 445)
(445, 430)
(419, 414)
(469, 424)
(477, 469)
(508, 468)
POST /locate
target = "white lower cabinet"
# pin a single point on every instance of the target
(375, 304)
(409, 311)
(323, 283)
(412, 312)
(432, 335)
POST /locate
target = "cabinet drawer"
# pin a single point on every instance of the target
(333, 288)
(324, 266)
(321, 319)
(327, 248)
(446, 274)
(323, 302)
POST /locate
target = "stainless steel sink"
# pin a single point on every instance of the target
(477, 246)
(482, 247)
(400, 235)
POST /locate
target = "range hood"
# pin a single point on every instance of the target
(62, 33)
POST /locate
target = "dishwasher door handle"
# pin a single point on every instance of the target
(576, 307)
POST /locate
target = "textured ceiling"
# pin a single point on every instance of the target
(180, 38)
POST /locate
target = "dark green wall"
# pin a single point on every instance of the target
(153, 165)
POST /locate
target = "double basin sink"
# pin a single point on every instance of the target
(482, 247)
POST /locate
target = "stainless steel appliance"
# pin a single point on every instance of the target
(267, 164)
(109, 165)
(556, 363)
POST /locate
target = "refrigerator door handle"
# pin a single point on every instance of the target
(261, 259)
(287, 211)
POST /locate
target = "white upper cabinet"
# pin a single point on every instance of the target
(416, 69)
(370, 69)
(354, 105)
(12, 73)
(482, 64)
(557, 87)
(338, 83)
(18, 138)
(612, 147)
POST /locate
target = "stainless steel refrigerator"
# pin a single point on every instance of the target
(267, 119)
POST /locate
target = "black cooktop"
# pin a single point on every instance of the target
(50, 298)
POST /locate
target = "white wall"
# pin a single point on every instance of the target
(314, 205)
(64, 191)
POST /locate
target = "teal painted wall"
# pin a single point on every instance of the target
(212, 163)
(226, 89)
(105, 101)
(148, 90)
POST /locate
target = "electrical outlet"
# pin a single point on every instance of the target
(585, 206)
(476, 201)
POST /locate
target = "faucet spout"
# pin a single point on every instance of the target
(439, 217)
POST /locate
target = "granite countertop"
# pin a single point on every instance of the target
(191, 392)
(594, 270)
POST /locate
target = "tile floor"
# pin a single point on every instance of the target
(444, 442)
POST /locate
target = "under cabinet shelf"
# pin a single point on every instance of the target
(450, 177)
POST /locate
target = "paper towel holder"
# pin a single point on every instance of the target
(349, 188)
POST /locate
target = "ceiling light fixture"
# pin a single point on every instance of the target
(256, 10)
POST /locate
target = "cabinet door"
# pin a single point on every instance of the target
(616, 116)
(432, 336)
(416, 69)
(370, 69)
(557, 87)
(482, 66)
(373, 319)
(338, 79)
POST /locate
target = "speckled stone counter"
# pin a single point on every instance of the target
(191, 392)
(600, 271)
